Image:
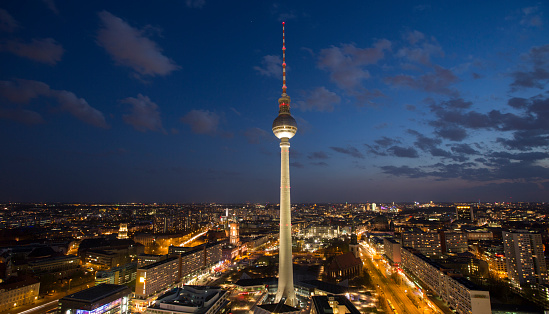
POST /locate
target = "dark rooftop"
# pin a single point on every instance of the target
(324, 286)
(96, 293)
(278, 307)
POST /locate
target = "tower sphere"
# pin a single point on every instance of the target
(284, 126)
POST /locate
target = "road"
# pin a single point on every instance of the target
(390, 290)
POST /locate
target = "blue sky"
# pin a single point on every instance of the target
(136, 101)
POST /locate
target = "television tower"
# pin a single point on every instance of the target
(285, 127)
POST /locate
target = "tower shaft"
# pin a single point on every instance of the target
(285, 267)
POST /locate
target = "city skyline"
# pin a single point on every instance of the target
(397, 101)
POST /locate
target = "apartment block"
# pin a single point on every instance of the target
(459, 293)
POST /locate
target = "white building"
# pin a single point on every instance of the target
(190, 299)
(459, 293)
(524, 257)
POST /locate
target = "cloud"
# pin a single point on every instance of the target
(464, 149)
(537, 74)
(257, 136)
(530, 128)
(320, 163)
(144, 114)
(407, 152)
(421, 49)
(320, 99)
(45, 50)
(51, 5)
(129, 47)
(318, 155)
(351, 151)
(23, 91)
(24, 116)
(452, 133)
(297, 164)
(7, 22)
(202, 121)
(438, 81)
(430, 145)
(531, 17)
(196, 4)
(410, 107)
(271, 66)
(386, 142)
(526, 140)
(346, 63)
(80, 108)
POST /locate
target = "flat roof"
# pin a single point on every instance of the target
(158, 263)
(96, 293)
(324, 286)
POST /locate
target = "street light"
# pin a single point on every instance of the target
(69, 285)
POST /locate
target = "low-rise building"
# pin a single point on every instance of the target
(332, 304)
(191, 300)
(104, 298)
(62, 265)
(392, 250)
(18, 291)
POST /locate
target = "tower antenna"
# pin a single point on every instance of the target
(283, 60)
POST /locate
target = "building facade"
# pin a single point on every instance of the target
(524, 257)
(459, 293)
(104, 298)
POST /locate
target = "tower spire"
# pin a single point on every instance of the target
(284, 100)
(283, 60)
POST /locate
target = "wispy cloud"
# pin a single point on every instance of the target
(7, 22)
(319, 99)
(45, 50)
(346, 63)
(202, 121)
(439, 81)
(21, 92)
(270, 66)
(350, 150)
(51, 5)
(144, 115)
(195, 4)
(128, 46)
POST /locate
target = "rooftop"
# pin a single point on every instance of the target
(96, 293)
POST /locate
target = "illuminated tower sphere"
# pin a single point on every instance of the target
(285, 127)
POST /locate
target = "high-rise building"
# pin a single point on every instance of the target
(233, 236)
(465, 212)
(284, 128)
(524, 255)
(123, 231)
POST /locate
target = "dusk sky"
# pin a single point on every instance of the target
(173, 101)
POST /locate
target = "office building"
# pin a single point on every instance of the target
(525, 259)
(392, 250)
(465, 212)
(428, 243)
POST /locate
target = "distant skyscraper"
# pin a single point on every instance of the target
(465, 212)
(123, 231)
(234, 238)
(524, 255)
(285, 127)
